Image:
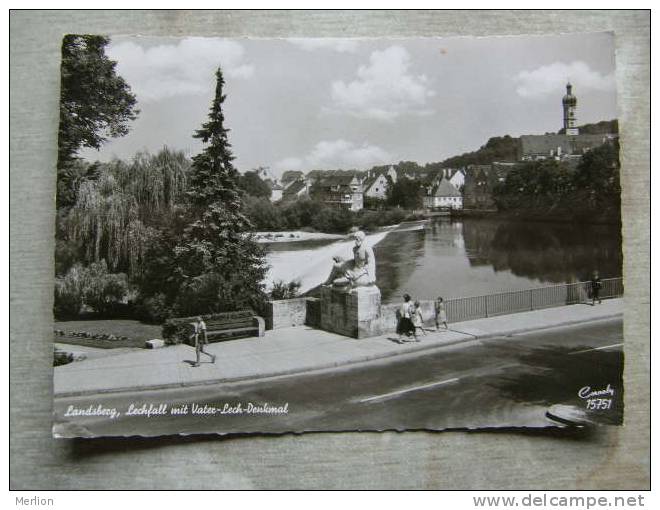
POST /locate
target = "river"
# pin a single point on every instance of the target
(469, 257)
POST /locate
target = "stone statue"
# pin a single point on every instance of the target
(359, 272)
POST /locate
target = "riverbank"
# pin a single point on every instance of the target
(536, 216)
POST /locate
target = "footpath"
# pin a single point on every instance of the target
(293, 350)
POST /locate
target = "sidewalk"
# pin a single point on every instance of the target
(293, 350)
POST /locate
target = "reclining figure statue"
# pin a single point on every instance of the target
(359, 272)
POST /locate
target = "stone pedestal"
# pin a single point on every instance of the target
(354, 313)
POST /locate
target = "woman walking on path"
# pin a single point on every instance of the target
(405, 325)
(440, 313)
(201, 340)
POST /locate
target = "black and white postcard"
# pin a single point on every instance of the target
(275, 235)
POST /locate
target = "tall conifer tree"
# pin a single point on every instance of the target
(219, 266)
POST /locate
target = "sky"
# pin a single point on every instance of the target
(304, 104)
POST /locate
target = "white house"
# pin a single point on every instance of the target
(457, 178)
(376, 186)
(276, 192)
(445, 195)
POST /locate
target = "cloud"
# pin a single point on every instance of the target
(332, 44)
(185, 67)
(546, 80)
(384, 89)
(336, 154)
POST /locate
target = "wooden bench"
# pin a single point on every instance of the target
(219, 326)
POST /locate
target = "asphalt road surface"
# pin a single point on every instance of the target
(498, 382)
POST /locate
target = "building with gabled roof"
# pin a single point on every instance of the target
(376, 186)
(444, 195)
(291, 176)
(341, 190)
(295, 190)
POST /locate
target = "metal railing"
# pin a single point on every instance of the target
(478, 307)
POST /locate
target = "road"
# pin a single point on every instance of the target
(496, 382)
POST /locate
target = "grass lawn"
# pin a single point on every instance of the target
(136, 331)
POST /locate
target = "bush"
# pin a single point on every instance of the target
(329, 219)
(263, 214)
(283, 290)
(92, 286)
(104, 292)
(375, 203)
(371, 219)
(300, 213)
(153, 309)
(69, 292)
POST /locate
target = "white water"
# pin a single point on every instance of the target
(311, 267)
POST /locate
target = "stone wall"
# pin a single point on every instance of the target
(286, 313)
(307, 311)
(388, 314)
(313, 312)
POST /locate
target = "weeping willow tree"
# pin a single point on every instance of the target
(118, 212)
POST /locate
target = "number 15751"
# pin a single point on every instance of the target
(599, 403)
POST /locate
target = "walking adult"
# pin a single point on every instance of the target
(200, 341)
(596, 285)
(405, 326)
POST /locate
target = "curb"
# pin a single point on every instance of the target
(304, 370)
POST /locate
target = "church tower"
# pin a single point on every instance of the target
(570, 105)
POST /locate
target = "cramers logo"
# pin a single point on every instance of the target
(588, 392)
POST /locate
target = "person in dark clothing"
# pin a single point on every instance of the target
(405, 325)
(596, 285)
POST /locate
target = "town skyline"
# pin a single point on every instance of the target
(308, 104)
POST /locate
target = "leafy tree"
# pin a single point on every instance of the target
(103, 290)
(374, 202)
(405, 193)
(331, 219)
(122, 208)
(218, 266)
(92, 286)
(597, 179)
(541, 185)
(408, 167)
(300, 213)
(498, 148)
(69, 292)
(263, 214)
(95, 102)
(254, 185)
(550, 186)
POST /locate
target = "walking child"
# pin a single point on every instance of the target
(440, 313)
(418, 320)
